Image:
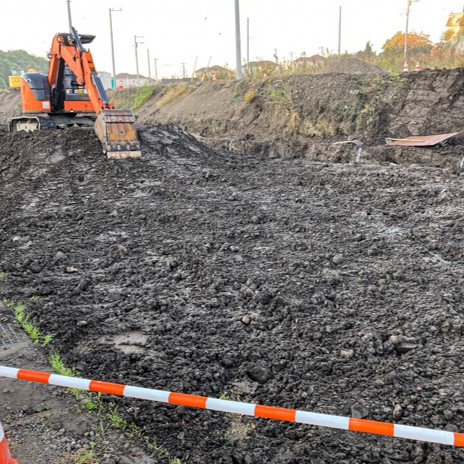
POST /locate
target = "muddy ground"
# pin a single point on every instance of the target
(323, 286)
(307, 281)
(49, 425)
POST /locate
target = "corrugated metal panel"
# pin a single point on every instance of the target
(422, 140)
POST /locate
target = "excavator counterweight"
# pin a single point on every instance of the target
(72, 94)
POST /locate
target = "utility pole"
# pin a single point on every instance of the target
(408, 8)
(149, 66)
(156, 67)
(340, 31)
(248, 47)
(194, 67)
(183, 69)
(113, 77)
(69, 15)
(238, 48)
(136, 43)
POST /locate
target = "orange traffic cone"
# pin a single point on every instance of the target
(5, 455)
(405, 67)
(417, 68)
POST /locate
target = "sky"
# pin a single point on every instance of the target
(180, 33)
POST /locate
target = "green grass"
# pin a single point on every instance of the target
(279, 93)
(3, 276)
(115, 417)
(143, 95)
(87, 457)
(58, 365)
(24, 320)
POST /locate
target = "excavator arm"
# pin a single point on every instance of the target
(68, 48)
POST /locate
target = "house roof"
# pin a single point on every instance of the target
(129, 76)
(264, 64)
(212, 68)
(310, 59)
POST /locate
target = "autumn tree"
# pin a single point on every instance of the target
(417, 43)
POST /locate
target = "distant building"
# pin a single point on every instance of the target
(263, 68)
(105, 77)
(218, 71)
(131, 80)
(309, 61)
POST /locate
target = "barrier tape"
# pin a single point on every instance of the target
(248, 409)
(5, 455)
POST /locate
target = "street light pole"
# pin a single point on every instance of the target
(136, 43)
(149, 65)
(113, 77)
(238, 49)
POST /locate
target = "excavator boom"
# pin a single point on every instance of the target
(72, 94)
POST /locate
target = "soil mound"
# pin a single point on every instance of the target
(352, 66)
(10, 106)
(326, 287)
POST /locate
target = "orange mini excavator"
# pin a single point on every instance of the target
(72, 94)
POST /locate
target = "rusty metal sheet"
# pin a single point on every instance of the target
(421, 140)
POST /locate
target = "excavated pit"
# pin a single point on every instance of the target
(328, 287)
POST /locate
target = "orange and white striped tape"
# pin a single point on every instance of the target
(5, 455)
(249, 409)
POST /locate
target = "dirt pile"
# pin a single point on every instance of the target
(10, 106)
(352, 66)
(327, 287)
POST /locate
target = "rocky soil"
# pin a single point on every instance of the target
(323, 286)
(254, 261)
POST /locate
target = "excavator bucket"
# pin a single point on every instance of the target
(118, 134)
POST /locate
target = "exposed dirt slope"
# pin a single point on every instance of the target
(350, 278)
(302, 115)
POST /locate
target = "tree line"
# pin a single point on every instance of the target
(19, 59)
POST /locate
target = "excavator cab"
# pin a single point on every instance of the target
(72, 94)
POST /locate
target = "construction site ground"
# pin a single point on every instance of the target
(279, 273)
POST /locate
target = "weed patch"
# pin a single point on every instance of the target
(172, 92)
(143, 95)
